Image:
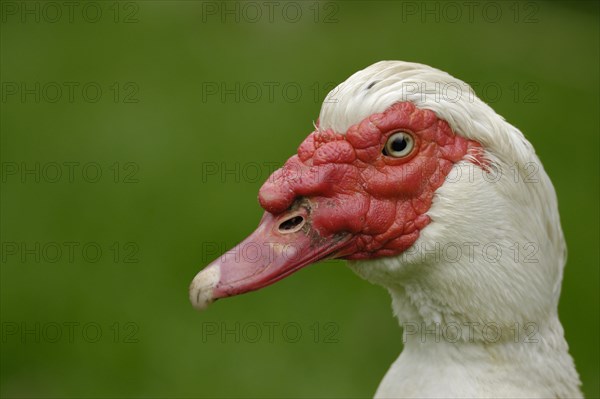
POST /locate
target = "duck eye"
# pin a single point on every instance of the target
(399, 145)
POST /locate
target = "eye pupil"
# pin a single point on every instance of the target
(399, 144)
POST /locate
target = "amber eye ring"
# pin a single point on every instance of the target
(399, 145)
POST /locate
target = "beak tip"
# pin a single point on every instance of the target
(202, 286)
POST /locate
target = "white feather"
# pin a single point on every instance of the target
(432, 289)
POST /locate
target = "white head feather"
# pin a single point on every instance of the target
(514, 210)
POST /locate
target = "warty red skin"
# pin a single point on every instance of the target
(354, 188)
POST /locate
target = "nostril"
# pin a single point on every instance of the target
(291, 225)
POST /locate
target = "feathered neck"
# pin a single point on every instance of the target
(484, 276)
(447, 359)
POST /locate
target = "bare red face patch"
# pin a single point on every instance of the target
(356, 188)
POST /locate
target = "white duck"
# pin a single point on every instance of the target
(431, 194)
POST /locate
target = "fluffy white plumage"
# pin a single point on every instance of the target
(508, 275)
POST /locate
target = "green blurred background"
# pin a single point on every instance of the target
(150, 111)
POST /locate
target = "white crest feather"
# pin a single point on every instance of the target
(516, 206)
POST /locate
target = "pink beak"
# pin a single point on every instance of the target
(281, 245)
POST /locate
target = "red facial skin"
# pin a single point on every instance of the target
(352, 201)
(381, 200)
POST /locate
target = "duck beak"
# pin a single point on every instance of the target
(281, 245)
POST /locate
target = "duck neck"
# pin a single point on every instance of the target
(451, 356)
